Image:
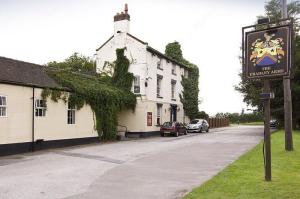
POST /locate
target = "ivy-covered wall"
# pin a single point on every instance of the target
(107, 96)
(189, 96)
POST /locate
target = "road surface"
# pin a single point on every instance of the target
(157, 167)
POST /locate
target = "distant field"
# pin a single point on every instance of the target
(244, 179)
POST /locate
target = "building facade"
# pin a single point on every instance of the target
(157, 78)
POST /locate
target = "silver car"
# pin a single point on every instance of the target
(198, 125)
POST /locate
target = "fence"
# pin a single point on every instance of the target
(218, 122)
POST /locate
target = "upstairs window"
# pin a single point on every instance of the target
(136, 84)
(159, 64)
(71, 114)
(40, 108)
(186, 73)
(173, 89)
(3, 106)
(173, 69)
(158, 114)
(158, 85)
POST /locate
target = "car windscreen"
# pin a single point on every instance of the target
(196, 121)
(167, 124)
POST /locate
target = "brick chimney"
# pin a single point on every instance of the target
(121, 21)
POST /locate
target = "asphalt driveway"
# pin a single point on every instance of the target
(155, 167)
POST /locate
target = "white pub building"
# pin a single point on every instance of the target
(157, 79)
(28, 123)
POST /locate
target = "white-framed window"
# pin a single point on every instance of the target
(173, 69)
(71, 114)
(159, 64)
(40, 108)
(173, 89)
(158, 114)
(136, 84)
(3, 106)
(158, 85)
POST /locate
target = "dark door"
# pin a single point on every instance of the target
(173, 113)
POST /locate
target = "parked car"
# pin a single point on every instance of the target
(172, 128)
(273, 123)
(198, 125)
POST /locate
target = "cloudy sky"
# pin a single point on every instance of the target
(40, 31)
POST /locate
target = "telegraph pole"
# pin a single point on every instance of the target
(287, 98)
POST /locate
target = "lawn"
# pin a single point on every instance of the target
(252, 123)
(245, 177)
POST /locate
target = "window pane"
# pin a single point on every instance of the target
(1, 103)
(3, 111)
(73, 118)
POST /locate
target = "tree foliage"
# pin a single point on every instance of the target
(251, 89)
(75, 63)
(255, 116)
(105, 95)
(190, 84)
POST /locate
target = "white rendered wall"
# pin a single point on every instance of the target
(17, 126)
(135, 52)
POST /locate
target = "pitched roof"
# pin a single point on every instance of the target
(149, 48)
(159, 54)
(104, 43)
(24, 73)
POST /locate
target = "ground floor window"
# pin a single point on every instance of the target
(136, 84)
(40, 108)
(159, 113)
(71, 114)
(3, 106)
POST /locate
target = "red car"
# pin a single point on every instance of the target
(172, 128)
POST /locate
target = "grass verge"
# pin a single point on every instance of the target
(245, 177)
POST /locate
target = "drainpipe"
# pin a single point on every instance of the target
(33, 107)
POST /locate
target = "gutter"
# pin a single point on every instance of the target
(33, 124)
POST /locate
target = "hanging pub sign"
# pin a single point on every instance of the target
(267, 52)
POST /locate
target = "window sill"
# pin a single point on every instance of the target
(174, 74)
(173, 99)
(158, 125)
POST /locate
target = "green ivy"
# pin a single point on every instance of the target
(189, 96)
(107, 96)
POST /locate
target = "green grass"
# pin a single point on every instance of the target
(252, 123)
(245, 177)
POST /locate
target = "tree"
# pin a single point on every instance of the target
(251, 89)
(189, 95)
(75, 63)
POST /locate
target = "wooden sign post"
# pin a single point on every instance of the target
(267, 56)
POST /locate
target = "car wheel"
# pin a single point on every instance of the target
(162, 134)
(185, 132)
(176, 134)
(207, 130)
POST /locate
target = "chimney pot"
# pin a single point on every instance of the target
(126, 8)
